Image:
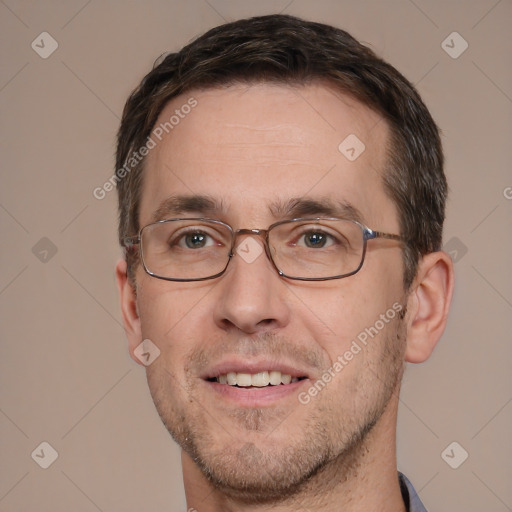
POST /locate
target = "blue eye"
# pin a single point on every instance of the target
(315, 239)
(195, 240)
(192, 237)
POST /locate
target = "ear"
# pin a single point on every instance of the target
(428, 304)
(131, 318)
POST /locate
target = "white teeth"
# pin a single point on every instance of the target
(243, 379)
(286, 379)
(275, 378)
(258, 380)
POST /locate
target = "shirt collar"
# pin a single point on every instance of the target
(410, 496)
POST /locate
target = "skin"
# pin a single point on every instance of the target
(250, 147)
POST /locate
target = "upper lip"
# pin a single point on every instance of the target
(253, 367)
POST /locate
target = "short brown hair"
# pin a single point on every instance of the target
(288, 50)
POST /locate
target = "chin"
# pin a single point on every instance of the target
(250, 475)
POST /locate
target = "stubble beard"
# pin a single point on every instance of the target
(330, 444)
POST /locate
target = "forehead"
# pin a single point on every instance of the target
(252, 146)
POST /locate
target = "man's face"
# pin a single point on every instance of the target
(251, 149)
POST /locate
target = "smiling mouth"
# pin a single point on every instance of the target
(255, 380)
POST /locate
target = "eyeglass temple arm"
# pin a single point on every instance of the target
(130, 241)
(379, 234)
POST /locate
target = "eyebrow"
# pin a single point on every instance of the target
(187, 204)
(323, 207)
(208, 206)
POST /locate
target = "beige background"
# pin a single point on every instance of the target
(66, 377)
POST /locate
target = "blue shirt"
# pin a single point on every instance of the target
(410, 496)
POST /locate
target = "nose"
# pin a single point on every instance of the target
(252, 297)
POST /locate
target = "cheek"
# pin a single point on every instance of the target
(171, 315)
(340, 312)
(365, 365)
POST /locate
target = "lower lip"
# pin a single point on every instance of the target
(256, 397)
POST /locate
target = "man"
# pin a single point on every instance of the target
(281, 199)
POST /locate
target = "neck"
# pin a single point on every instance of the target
(365, 478)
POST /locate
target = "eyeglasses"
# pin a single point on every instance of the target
(309, 249)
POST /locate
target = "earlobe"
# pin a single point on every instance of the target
(129, 310)
(428, 305)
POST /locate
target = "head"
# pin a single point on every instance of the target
(244, 126)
